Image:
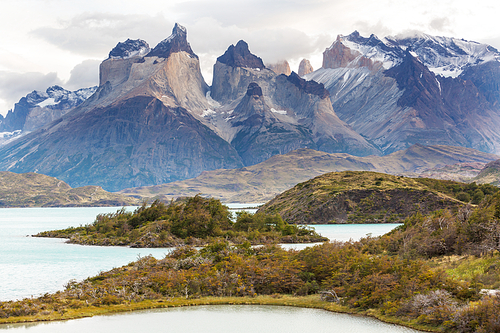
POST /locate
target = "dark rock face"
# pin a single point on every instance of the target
(486, 77)
(260, 134)
(177, 42)
(254, 89)
(240, 56)
(310, 87)
(129, 48)
(137, 142)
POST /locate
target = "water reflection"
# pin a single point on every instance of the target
(220, 319)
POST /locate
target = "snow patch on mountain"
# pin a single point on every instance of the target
(444, 56)
(47, 102)
(279, 111)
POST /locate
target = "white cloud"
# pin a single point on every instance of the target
(95, 34)
(84, 75)
(13, 86)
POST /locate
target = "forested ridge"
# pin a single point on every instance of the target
(192, 221)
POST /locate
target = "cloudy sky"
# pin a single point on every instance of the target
(47, 42)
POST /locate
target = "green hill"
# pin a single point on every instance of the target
(37, 190)
(370, 197)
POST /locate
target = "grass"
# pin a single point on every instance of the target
(485, 270)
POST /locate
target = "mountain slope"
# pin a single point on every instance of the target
(135, 129)
(490, 174)
(36, 190)
(261, 182)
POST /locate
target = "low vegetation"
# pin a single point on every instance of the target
(435, 272)
(370, 197)
(193, 221)
(37, 190)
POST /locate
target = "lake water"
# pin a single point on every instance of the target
(218, 319)
(31, 266)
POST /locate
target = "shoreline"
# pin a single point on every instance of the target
(311, 301)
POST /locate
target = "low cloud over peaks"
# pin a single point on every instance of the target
(95, 34)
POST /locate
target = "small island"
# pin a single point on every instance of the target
(194, 221)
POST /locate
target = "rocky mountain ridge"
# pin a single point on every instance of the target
(421, 89)
(39, 108)
(153, 119)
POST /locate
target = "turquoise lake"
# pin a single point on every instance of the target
(31, 266)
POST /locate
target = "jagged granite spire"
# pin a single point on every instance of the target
(240, 56)
(305, 68)
(176, 42)
(310, 87)
(129, 49)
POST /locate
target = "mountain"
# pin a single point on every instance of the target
(263, 181)
(288, 104)
(36, 190)
(39, 108)
(399, 91)
(138, 128)
(153, 119)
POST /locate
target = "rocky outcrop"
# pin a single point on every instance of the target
(280, 67)
(260, 134)
(305, 67)
(235, 70)
(240, 56)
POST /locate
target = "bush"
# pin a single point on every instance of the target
(462, 196)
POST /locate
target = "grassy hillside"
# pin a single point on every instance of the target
(490, 174)
(263, 181)
(370, 197)
(36, 190)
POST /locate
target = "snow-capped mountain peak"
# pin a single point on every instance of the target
(176, 42)
(130, 48)
(373, 48)
(445, 56)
